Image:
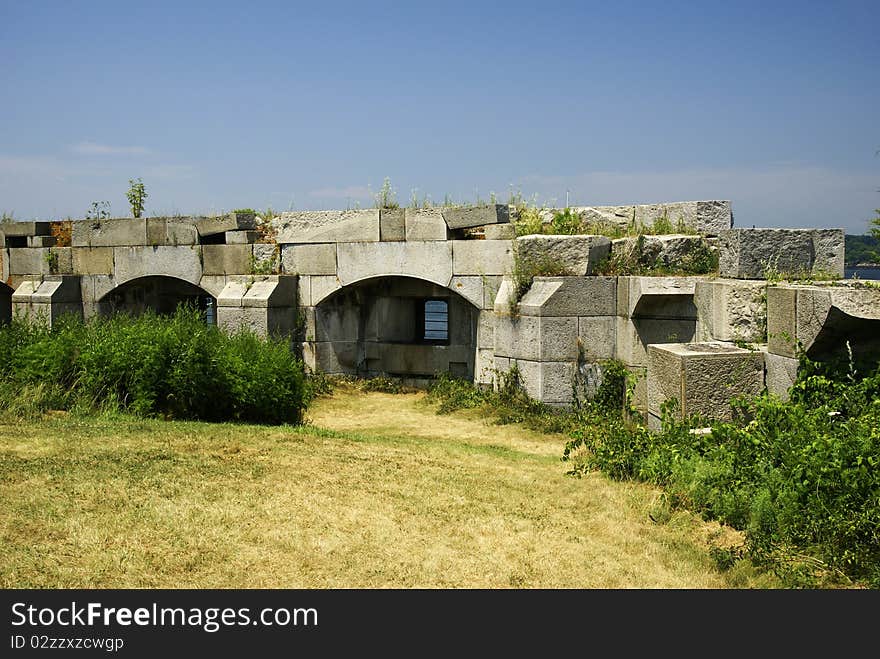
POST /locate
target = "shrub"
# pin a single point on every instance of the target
(174, 367)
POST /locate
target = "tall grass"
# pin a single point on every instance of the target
(169, 366)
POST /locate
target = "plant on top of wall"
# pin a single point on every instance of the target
(387, 196)
(136, 194)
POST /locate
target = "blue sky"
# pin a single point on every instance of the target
(773, 105)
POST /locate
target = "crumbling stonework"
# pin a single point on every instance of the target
(412, 292)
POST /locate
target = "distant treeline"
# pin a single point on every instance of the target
(861, 250)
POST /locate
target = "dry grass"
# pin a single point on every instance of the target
(379, 492)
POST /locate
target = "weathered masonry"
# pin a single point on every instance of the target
(413, 292)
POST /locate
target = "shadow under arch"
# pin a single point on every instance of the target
(5, 303)
(160, 294)
(395, 325)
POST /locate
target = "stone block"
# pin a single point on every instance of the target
(634, 335)
(92, 260)
(757, 253)
(425, 224)
(708, 218)
(60, 261)
(486, 330)
(500, 232)
(21, 229)
(322, 287)
(664, 251)
(28, 261)
(392, 224)
(267, 258)
(305, 290)
(430, 261)
(308, 322)
(558, 255)
(242, 237)
(180, 262)
(470, 288)
(336, 357)
(262, 321)
(156, 230)
(503, 303)
(312, 259)
(597, 337)
(213, 284)
(481, 257)
(95, 287)
(209, 226)
(782, 320)
(547, 382)
(731, 310)
(484, 367)
(657, 297)
(829, 252)
(536, 338)
(465, 217)
(49, 297)
(109, 233)
(4, 266)
(181, 232)
(259, 291)
(639, 400)
(41, 241)
(780, 373)
(570, 296)
(327, 226)
(491, 284)
(702, 377)
(227, 259)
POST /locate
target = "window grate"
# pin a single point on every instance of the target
(436, 320)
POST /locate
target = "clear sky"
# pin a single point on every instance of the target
(221, 105)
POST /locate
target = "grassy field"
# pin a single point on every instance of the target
(377, 491)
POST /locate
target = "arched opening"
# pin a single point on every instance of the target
(396, 326)
(161, 295)
(843, 335)
(5, 304)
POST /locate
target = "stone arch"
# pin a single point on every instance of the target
(5, 303)
(158, 293)
(841, 332)
(402, 326)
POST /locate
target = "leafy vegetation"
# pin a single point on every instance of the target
(530, 219)
(137, 195)
(171, 367)
(635, 259)
(387, 196)
(862, 249)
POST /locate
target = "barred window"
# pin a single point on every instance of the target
(436, 324)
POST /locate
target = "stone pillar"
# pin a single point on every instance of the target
(48, 297)
(702, 377)
(264, 304)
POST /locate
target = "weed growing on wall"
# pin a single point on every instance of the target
(387, 196)
(137, 195)
(99, 210)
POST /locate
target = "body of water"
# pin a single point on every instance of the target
(862, 273)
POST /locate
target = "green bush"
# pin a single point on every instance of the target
(800, 478)
(174, 366)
